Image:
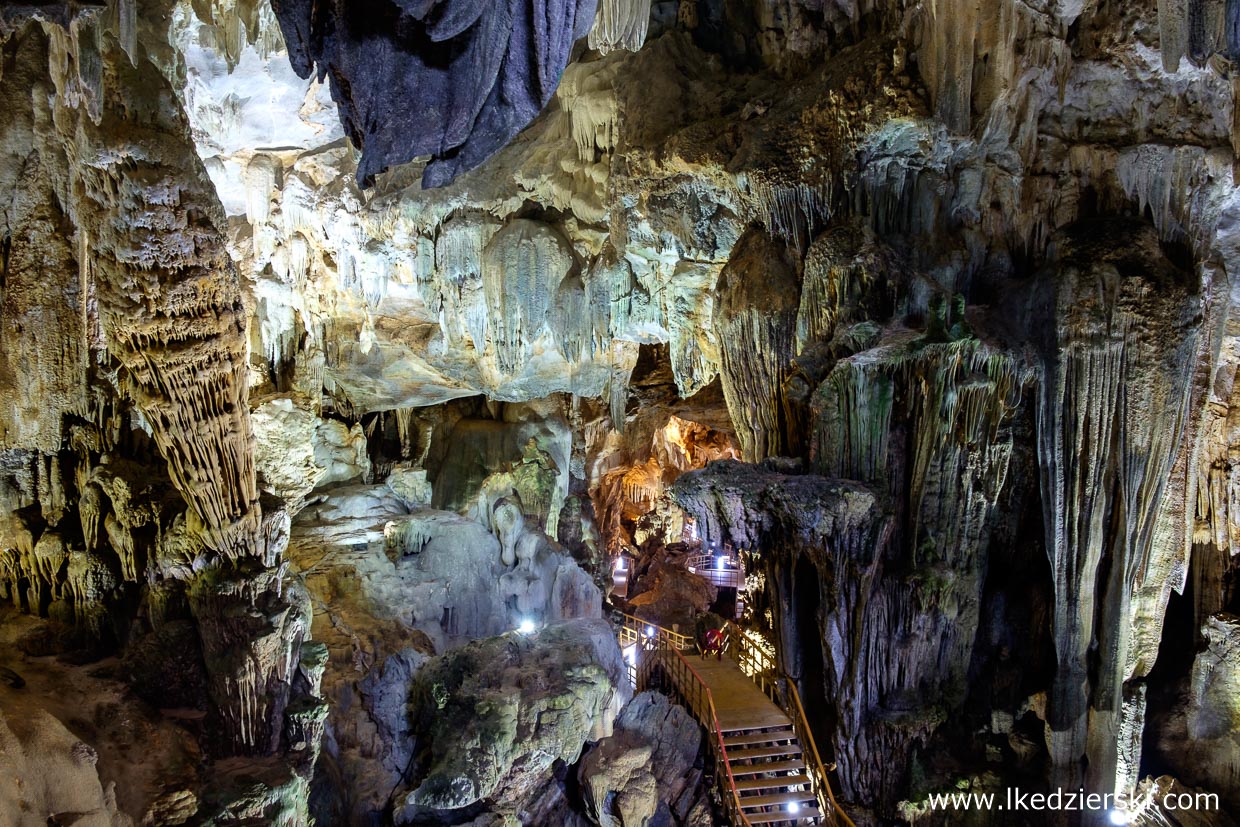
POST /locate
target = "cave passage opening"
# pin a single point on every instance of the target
(811, 674)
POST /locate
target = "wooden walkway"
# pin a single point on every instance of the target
(767, 766)
(763, 754)
(759, 763)
(739, 703)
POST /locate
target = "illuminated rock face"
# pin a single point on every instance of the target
(948, 285)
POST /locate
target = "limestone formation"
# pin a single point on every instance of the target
(359, 358)
(498, 712)
(641, 772)
(40, 751)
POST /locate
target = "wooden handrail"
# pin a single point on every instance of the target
(818, 769)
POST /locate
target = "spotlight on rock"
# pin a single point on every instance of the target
(527, 626)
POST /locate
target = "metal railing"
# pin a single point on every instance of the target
(704, 566)
(759, 665)
(662, 651)
(754, 660)
(633, 629)
(696, 695)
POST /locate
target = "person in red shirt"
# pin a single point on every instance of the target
(713, 644)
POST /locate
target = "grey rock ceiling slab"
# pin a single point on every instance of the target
(452, 79)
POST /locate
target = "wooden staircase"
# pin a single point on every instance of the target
(768, 768)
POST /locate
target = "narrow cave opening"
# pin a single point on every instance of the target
(1166, 682)
(807, 620)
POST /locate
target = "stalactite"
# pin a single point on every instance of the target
(1172, 184)
(180, 332)
(521, 267)
(623, 360)
(954, 394)
(643, 484)
(122, 542)
(1173, 31)
(947, 57)
(297, 201)
(251, 654)
(755, 324)
(261, 182)
(594, 114)
(458, 266)
(571, 320)
(1111, 412)
(790, 211)
(405, 431)
(88, 581)
(841, 266)
(620, 24)
(43, 375)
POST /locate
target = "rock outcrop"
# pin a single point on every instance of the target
(495, 715)
(391, 588)
(644, 772)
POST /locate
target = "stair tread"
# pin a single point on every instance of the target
(777, 799)
(759, 737)
(771, 783)
(772, 818)
(786, 750)
(739, 727)
(769, 766)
